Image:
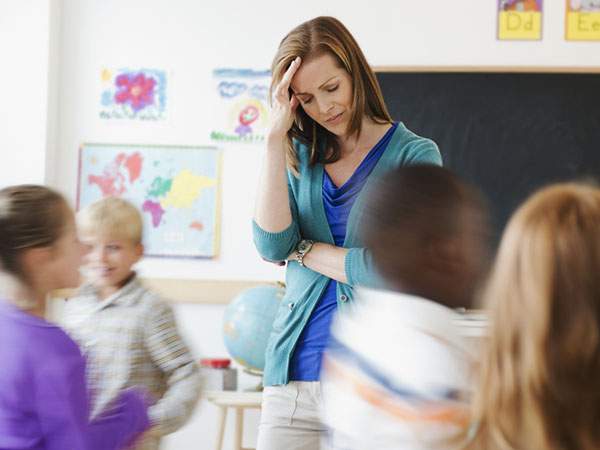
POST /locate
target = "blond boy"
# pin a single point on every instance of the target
(127, 332)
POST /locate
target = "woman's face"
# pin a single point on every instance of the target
(324, 90)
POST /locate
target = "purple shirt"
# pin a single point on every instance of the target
(44, 403)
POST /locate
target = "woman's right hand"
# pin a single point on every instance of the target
(283, 106)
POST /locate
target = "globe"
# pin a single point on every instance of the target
(247, 325)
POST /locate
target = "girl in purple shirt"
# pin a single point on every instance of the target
(44, 403)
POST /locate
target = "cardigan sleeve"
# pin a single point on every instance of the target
(278, 246)
(360, 269)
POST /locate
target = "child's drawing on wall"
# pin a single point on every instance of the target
(521, 5)
(133, 94)
(584, 5)
(241, 111)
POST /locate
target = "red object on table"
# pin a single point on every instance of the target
(215, 363)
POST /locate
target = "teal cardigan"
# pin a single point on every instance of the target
(304, 286)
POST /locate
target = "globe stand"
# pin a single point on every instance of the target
(256, 373)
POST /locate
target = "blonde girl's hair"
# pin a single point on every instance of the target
(539, 381)
(316, 37)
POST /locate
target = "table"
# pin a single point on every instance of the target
(239, 401)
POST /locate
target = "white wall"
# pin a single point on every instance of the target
(189, 38)
(25, 41)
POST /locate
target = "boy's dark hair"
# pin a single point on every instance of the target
(428, 232)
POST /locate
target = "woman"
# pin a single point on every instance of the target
(538, 387)
(330, 136)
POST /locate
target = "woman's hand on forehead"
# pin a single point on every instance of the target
(283, 106)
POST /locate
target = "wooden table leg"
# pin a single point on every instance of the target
(221, 429)
(239, 428)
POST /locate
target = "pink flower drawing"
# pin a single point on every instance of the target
(135, 89)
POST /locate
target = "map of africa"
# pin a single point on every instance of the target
(175, 189)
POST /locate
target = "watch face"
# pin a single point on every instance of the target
(303, 246)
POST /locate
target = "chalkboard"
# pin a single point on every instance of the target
(508, 133)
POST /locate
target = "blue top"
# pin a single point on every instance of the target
(304, 287)
(305, 364)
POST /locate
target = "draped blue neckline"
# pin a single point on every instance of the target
(338, 201)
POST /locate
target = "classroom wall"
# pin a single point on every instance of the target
(189, 39)
(27, 38)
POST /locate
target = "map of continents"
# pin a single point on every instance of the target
(174, 188)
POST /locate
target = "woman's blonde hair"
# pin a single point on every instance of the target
(327, 35)
(539, 385)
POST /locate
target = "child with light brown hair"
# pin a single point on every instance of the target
(539, 385)
(128, 332)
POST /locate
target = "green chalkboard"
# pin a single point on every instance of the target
(508, 133)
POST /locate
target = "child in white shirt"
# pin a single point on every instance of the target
(397, 371)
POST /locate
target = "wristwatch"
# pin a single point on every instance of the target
(302, 249)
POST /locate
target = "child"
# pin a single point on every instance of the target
(127, 331)
(44, 402)
(397, 369)
(539, 382)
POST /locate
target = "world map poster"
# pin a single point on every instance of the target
(175, 188)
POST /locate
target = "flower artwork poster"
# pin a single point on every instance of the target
(138, 94)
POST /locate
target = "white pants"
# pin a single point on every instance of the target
(290, 417)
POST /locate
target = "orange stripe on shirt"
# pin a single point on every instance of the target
(380, 399)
